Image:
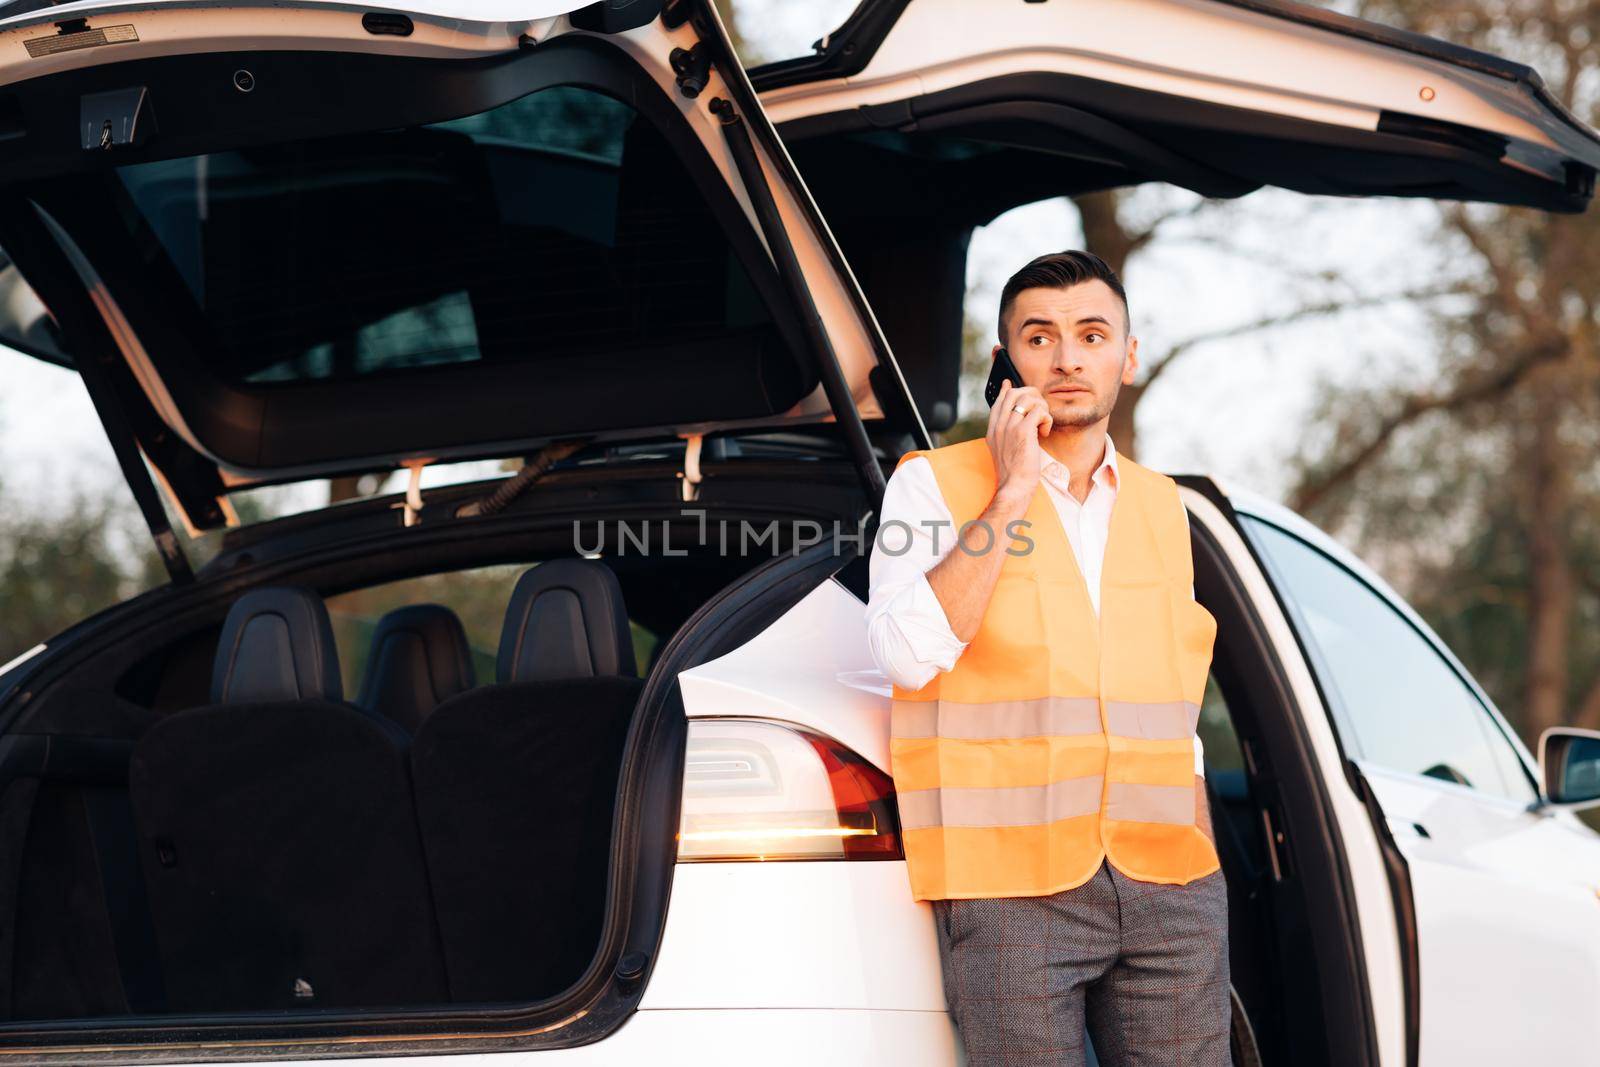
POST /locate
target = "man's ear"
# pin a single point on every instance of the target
(994, 353)
(1130, 364)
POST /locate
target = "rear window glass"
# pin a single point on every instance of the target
(478, 597)
(559, 221)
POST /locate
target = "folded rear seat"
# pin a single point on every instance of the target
(75, 933)
(277, 835)
(515, 784)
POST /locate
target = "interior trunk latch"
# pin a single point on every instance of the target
(115, 119)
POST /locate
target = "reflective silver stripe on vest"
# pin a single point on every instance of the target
(1027, 805)
(1168, 721)
(1150, 803)
(999, 719)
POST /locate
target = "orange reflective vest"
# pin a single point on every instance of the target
(1059, 739)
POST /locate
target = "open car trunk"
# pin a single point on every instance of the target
(547, 808)
(281, 242)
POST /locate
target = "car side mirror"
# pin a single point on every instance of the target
(1569, 767)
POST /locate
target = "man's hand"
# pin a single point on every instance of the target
(964, 580)
(1202, 810)
(1014, 440)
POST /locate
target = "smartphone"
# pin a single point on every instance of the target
(1002, 371)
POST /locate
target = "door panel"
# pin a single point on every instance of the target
(1508, 925)
(1507, 918)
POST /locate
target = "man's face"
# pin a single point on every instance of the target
(1071, 345)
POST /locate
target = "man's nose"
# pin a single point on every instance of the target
(1067, 359)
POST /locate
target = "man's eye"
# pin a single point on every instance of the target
(1093, 333)
(1037, 337)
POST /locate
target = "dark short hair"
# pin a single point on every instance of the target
(1061, 270)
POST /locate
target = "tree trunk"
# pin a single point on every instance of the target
(1105, 234)
(1550, 596)
(1103, 230)
(1123, 428)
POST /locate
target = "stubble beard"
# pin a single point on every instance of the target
(1079, 420)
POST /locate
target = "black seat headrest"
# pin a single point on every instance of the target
(566, 620)
(276, 644)
(419, 657)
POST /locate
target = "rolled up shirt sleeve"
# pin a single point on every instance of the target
(908, 633)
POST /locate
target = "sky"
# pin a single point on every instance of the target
(1237, 409)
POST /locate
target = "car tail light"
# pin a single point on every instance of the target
(757, 790)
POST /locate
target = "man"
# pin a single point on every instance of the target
(1032, 601)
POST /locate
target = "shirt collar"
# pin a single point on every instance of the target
(1106, 473)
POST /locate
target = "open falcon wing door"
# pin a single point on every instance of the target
(918, 120)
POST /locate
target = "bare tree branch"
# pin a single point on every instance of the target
(1534, 322)
(1331, 307)
(1144, 236)
(1417, 405)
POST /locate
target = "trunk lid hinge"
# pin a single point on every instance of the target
(411, 506)
(689, 478)
(95, 354)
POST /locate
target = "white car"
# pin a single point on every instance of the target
(288, 240)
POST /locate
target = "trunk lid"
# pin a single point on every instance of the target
(322, 239)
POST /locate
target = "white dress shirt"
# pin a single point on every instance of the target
(907, 631)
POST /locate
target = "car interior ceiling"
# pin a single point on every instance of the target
(507, 250)
(200, 834)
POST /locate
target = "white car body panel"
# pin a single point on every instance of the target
(792, 1037)
(1508, 923)
(810, 667)
(1204, 51)
(806, 934)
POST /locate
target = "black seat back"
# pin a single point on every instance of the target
(277, 834)
(75, 933)
(515, 786)
(419, 658)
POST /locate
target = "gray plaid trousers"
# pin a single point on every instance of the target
(1143, 966)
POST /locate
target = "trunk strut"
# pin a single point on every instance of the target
(783, 255)
(95, 353)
